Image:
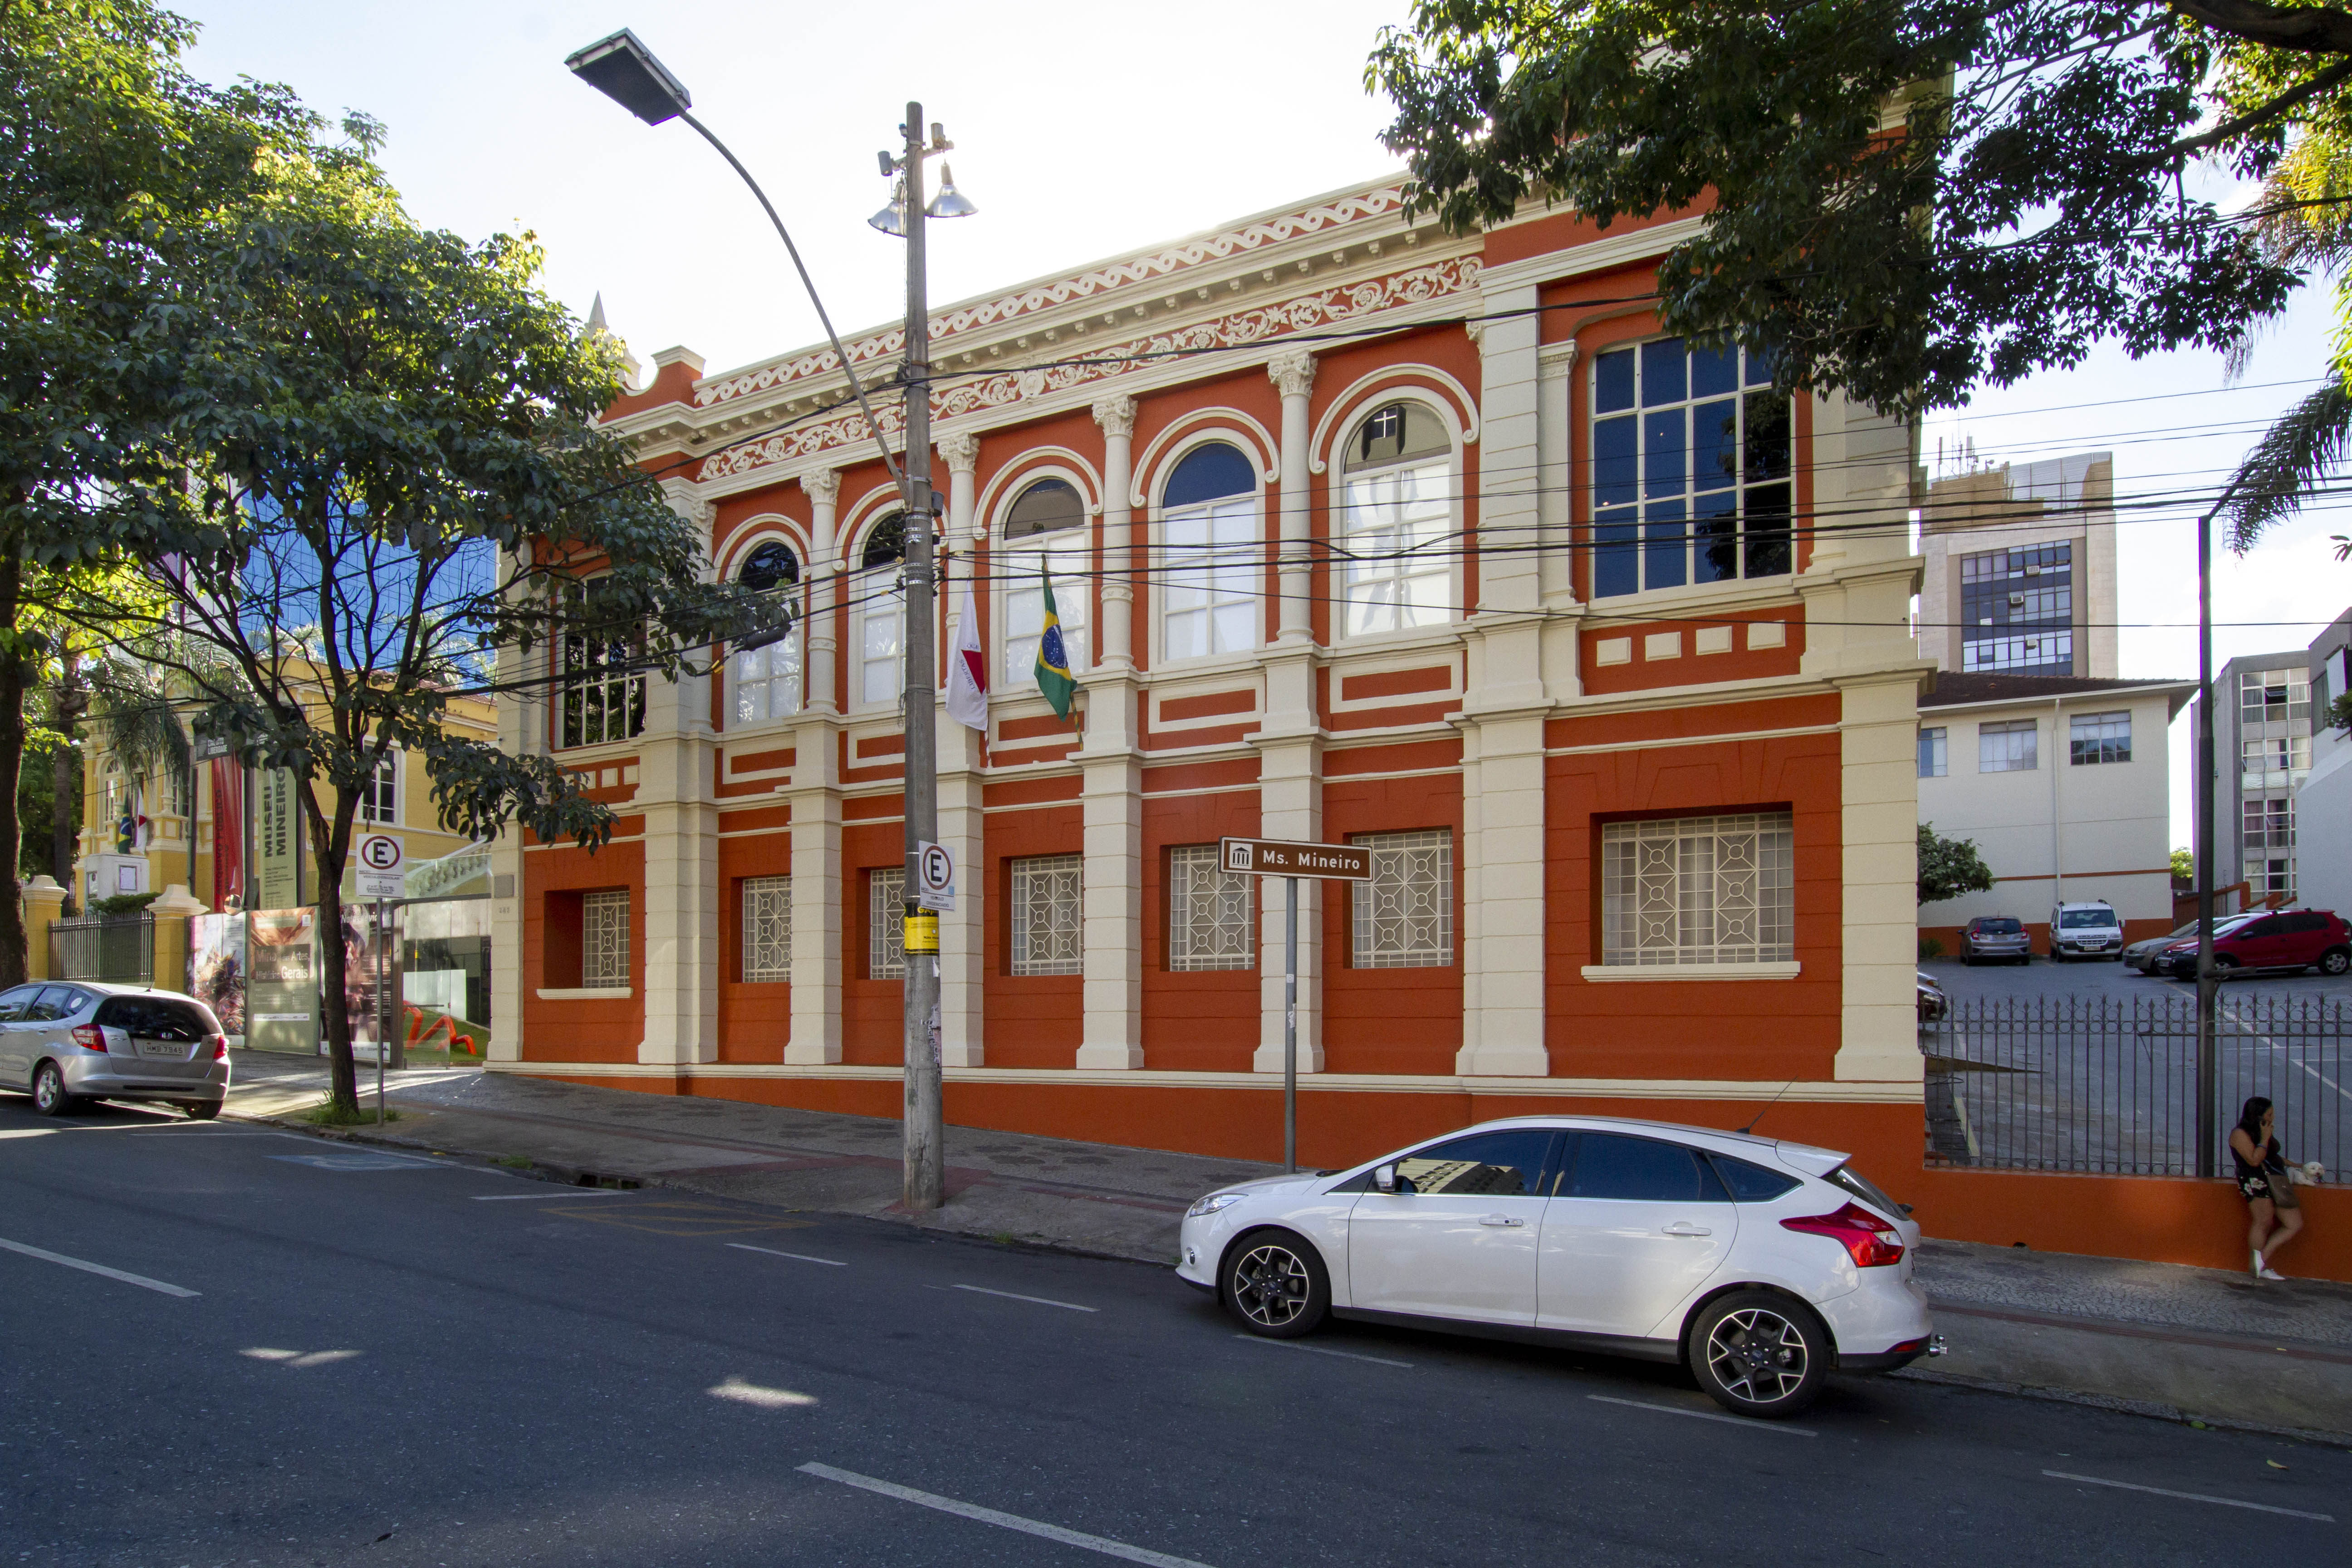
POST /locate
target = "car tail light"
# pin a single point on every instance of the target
(90, 1036)
(1870, 1241)
(220, 1048)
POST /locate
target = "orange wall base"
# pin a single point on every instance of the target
(2159, 1219)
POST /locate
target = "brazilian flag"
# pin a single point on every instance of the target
(1052, 659)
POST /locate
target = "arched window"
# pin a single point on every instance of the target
(1396, 513)
(1045, 536)
(1210, 566)
(767, 680)
(882, 616)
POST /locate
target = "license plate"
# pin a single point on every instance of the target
(170, 1048)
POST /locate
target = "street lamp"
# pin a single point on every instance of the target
(624, 70)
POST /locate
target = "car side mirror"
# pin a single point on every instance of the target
(1384, 1178)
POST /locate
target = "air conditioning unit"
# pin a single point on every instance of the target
(2033, 571)
(2017, 601)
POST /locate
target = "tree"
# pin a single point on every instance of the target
(1902, 199)
(1950, 867)
(396, 471)
(109, 150)
(2184, 867)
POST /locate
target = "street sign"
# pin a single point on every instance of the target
(205, 747)
(376, 858)
(1275, 858)
(935, 878)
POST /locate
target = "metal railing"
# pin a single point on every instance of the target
(103, 947)
(2109, 1084)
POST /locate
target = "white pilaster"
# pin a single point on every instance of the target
(823, 489)
(963, 932)
(1115, 645)
(1290, 805)
(523, 732)
(816, 800)
(676, 777)
(1293, 373)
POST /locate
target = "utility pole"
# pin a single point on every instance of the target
(2209, 783)
(926, 1169)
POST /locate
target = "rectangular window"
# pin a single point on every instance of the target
(2016, 610)
(1935, 761)
(2286, 756)
(380, 797)
(881, 647)
(2269, 824)
(2099, 738)
(1211, 919)
(1404, 915)
(604, 699)
(604, 938)
(767, 928)
(1692, 455)
(1392, 534)
(2274, 696)
(2009, 748)
(1024, 607)
(767, 680)
(2269, 877)
(1045, 898)
(1698, 890)
(886, 933)
(1209, 563)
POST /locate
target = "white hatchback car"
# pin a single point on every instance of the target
(1763, 1265)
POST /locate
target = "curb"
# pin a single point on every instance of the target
(2146, 1407)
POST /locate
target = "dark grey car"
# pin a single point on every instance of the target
(65, 1042)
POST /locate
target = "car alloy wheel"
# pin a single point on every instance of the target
(1276, 1285)
(1758, 1354)
(49, 1096)
(2336, 961)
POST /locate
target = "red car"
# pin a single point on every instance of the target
(2290, 940)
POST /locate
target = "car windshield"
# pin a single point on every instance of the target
(1998, 928)
(2073, 920)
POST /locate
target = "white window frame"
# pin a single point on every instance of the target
(1698, 890)
(1998, 750)
(1048, 914)
(380, 799)
(1222, 935)
(1068, 554)
(885, 930)
(767, 929)
(1234, 567)
(1404, 916)
(1369, 513)
(2098, 739)
(604, 938)
(768, 684)
(1935, 752)
(876, 602)
(621, 698)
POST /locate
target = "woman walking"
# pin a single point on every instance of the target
(2262, 1181)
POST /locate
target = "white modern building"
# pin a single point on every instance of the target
(2322, 819)
(2262, 748)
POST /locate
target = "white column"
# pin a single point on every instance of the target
(1293, 374)
(1116, 644)
(963, 932)
(815, 801)
(676, 785)
(823, 489)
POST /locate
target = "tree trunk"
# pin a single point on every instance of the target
(65, 774)
(334, 844)
(13, 957)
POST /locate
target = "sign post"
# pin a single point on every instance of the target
(1274, 857)
(380, 877)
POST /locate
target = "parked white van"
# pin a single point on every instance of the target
(2086, 931)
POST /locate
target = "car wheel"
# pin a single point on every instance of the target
(201, 1109)
(1757, 1352)
(49, 1096)
(1276, 1285)
(2223, 962)
(2336, 961)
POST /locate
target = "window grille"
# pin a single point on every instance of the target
(2100, 737)
(1397, 515)
(1691, 458)
(1404, 915)
(604, 938)
(2009, 748)
(1935, 758)
(380, 797)
(1212, 918)
(1046, 895)
(767, 928)
(1698, 890)
(886, 932)
(604, 699)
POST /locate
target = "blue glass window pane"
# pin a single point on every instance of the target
(1616, 567)
(1665, 546)
(1715, 372)
(1715, 445)
(1665, 471)
(1209, 473)
(1614, 461)
(1760, 368)
(1613, 382)
(1768, 531)
(1716, 558)
(1664, 368)
(1768, 434)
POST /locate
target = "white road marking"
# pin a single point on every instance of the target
(1319, 1350)
(1102, 1544)
(298, 1358)
(558, 1193)
(766, 1399)
(138, 1279)
(795, 1257)
(373, 1160)
(1708, 1416)
(1040, 1300)
(2190, 1497)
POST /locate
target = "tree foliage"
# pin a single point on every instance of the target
(1902, 199)
(1950, 867)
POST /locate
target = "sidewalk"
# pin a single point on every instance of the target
(2183, 1343)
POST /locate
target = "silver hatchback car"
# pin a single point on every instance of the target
(66, 1041)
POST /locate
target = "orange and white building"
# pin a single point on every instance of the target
(1359, 531)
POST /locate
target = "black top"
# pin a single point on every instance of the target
(2270, 1157)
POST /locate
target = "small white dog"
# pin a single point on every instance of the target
(2305, 1174)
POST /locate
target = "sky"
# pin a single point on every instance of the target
(1080, 135)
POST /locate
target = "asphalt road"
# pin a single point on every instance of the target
(331, 1355)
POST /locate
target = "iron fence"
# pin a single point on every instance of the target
(2109, 1084)
(103, 947)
